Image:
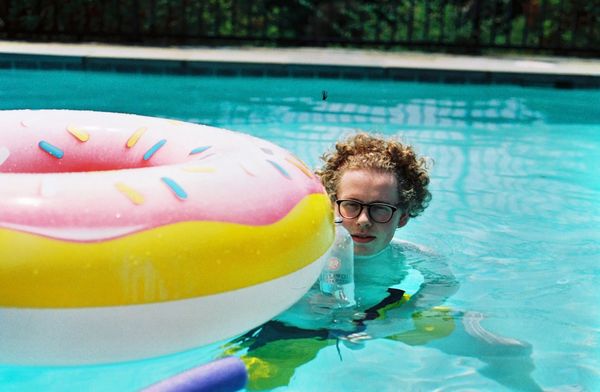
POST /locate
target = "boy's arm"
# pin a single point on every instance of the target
(439, 283)
(436, 284)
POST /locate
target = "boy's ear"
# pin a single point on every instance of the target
(403, 220)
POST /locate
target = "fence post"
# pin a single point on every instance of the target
(476, 33)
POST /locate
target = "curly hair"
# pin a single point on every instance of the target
(362, 150)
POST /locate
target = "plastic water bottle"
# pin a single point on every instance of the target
(337, 277)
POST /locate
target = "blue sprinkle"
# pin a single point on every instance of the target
(179, 192)
(267, 151)
(281, 169)
(199, 150)
(51, 150)
(153, 149)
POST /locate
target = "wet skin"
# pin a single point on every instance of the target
(370, 186)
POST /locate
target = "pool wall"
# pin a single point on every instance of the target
(306, 63)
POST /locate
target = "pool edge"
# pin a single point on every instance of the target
(557, 72)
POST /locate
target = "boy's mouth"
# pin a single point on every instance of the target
(362, 239)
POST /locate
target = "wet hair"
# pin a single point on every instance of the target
(365, 151)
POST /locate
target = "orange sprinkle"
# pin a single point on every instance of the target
(133, 139)
(81, 135)
(248, 172)
(300, 166)
(133, 195)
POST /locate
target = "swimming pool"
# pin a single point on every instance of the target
(516, 211)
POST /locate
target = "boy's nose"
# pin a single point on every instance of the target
(363, 218)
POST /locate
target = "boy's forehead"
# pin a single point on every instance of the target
(368, 185)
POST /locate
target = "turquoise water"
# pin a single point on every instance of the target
(515, 210)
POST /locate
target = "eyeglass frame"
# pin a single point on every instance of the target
(394, 208)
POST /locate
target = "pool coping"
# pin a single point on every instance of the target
(557, 72)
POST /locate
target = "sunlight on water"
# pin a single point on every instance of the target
(515, 210)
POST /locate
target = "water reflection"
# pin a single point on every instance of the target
(483, 114)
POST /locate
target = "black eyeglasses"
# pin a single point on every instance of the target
(378, 212)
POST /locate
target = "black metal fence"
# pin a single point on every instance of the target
(539, 26)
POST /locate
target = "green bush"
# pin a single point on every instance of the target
(559, 25)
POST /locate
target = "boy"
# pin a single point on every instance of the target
(376, 185)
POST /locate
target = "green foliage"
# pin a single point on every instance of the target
(459, 24)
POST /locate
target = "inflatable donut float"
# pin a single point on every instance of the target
(124, 236)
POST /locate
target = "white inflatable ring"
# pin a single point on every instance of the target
(125, 236)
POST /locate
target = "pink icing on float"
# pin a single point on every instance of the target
(147, 172)
(125, 237)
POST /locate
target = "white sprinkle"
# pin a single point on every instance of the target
(4, 154)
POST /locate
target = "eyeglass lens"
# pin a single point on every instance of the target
(379, 213)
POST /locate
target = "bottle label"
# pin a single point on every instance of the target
(334, 264)
(337, 279)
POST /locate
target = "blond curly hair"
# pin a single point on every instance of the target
(363, 150)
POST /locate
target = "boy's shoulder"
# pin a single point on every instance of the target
(403, 246)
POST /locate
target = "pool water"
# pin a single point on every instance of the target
(515, 211)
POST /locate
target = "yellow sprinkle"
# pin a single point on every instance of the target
(133, 139)
(199, 169)
(175, 122)
(81, 135)
(300, 166)
(132, 194)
